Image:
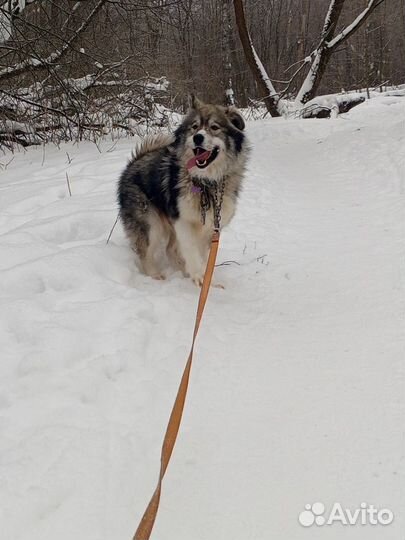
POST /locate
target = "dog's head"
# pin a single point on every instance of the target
(216, 134)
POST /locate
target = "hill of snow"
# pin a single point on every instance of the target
(298, 389)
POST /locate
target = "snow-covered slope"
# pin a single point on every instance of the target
(297, 393)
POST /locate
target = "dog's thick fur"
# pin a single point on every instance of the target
(159, 208)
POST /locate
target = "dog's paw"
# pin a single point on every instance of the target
(198, 280)
(158, 277)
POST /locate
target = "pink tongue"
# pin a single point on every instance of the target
(201, 157)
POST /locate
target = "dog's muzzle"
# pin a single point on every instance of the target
(202, 158)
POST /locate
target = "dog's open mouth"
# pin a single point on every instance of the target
(202, 158)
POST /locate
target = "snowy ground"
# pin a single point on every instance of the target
(298, 388)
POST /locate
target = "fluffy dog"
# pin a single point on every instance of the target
(167, 194)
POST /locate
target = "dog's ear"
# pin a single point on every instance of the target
(235, 118)
(194, 102)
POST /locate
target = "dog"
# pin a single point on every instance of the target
(168, 194)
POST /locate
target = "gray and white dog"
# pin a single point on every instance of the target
(167, 192)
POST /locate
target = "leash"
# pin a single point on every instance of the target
(145, 527)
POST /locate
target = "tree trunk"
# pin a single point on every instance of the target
(226, 24)
(323, 53)
(328, 44)
(267, 91)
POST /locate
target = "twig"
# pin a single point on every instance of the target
(68, 184)
(5, 165)
(97, 146)
(228, 263)
(112, 147)
(112, 230)
(261, 258)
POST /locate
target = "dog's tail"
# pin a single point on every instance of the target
(151, 143)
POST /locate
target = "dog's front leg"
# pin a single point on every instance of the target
(189, 241)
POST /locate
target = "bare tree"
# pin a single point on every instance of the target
(59, 81)
(318, 59)
(227, 47)
(329, 44)
(266, 88)
(76, 69)
(33, 63)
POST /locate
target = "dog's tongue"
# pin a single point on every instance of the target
(200, 157)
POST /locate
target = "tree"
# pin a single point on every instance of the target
(33, 63)
(328, 45)
(317, 60)
(75, 69)
(67, 71)
(266, 88)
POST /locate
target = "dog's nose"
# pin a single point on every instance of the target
(198, 139)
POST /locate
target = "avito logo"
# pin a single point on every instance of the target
(367, 514)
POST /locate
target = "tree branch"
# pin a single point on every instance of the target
(32, 64)
(321, 54)
(325, 48)
(355, 25)
(39, 106)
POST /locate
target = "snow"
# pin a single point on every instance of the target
(333, 101)
(297, 390)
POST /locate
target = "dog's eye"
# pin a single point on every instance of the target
(214, 127)
(195, 126)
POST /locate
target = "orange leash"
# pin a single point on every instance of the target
(145, 527)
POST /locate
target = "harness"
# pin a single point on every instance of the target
(211, 196)
(211, 191)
